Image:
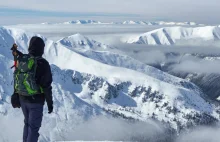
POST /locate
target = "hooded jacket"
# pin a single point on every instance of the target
(43, 74)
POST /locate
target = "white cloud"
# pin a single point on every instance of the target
(116, 129)
(202, 134)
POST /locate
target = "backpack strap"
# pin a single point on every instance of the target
(38, 57)
(35, 61)
(35, 70)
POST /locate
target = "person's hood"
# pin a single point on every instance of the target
(36, 46)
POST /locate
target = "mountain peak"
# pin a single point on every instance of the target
(84, 88)
(82, 42)
(175, 35)
(82, 22)
(130, 22)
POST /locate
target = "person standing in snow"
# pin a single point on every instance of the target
(33, 79)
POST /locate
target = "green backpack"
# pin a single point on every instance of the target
(24, 76)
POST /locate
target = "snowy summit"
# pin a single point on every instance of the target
(174, 35)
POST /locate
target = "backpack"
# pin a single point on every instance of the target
(24, 76)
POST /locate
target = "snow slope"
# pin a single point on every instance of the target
(79, 41)
(99, 53)
(84, 88)
(121, 83)
(175, 35)
(68, 106)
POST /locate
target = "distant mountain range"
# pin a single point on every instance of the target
(177, 35)
(131, 22)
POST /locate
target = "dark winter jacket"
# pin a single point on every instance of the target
(43, 74)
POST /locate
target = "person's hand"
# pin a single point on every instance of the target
(50, 109)
(14, 47)
(15, 102)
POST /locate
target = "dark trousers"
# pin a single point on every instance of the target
(33, 114)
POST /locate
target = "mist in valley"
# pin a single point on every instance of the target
(181, 60)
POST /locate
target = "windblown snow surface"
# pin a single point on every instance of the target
(177, 35)
(101, 95)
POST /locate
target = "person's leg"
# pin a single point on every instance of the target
(26, 115)
(34, 121)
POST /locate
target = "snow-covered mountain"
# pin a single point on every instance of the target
(69, 109)
(163, 23)
(127, 88)
(135, 22)
(177, 35)
(131, 22)
(208, 81)
(83, 22)
(89, 83)
(176, 23)
(81, 42)
(111, 58)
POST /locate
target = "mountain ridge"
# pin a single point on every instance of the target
(84, 88)
(174, 35)
(130, 22)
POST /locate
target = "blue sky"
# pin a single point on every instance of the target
(202, 11)
(28, 12)
(11, 16)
